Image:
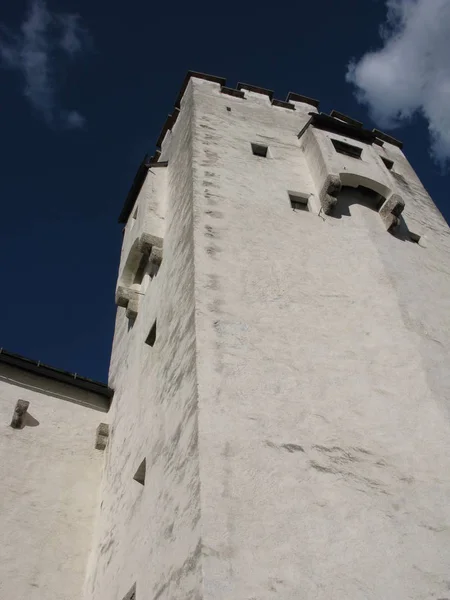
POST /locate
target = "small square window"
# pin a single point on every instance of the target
(387, 163)
(151, 338)
(347, 149)
(260, 150)
(298, 202)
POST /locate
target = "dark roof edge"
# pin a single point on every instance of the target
(254, 88)
(283, 104)
(323, 121)
(388, 138)
(170, 122)
(146, 164)
(338, 115)
(293, 97)
(220, 80)
(134, 190)
(34, 366)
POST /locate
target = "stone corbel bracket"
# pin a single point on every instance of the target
(101, 436)
(329, 193)
(19, 414)
(127, 294)
(389, 211)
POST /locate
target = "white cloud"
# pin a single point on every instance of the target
(410, 73)
(74, 120)
(43, 41)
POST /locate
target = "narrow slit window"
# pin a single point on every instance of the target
(298, 202)
(131, 594)
(151, 338)
(139, 476)
(347, 149)
(260, 150)
(387, 163)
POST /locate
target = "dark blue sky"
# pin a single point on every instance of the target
(62, 190)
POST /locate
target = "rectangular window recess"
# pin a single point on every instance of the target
(139, 476)
(139, 275)
(151, 338)
(260, 150)
(298, 202)
(387, 163)
(347, 149)
(131, 594)
(414, 237)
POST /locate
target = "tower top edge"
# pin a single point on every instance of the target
(375, 135)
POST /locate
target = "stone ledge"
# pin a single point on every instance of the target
(255, 89)
(388, 138)
(283, 104)
(338, 115)
(293, 97)
(213, 78)
(232, 92)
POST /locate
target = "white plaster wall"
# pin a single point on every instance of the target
(150, 535)
(322, 346)
(50, 474)
(293, 411)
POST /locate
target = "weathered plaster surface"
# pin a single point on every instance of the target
(50, 474)
(293, 412)
(322, 346)
(150, 534)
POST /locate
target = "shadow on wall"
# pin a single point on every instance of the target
(368, 198)
(29, 421)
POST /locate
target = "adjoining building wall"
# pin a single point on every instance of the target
(50, 474)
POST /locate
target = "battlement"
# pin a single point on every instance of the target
(241, 91)
(336, 122)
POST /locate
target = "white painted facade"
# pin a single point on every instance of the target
(293, 410)
(292, 407)
(50, 473)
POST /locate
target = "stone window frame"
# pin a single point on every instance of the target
(347, 149)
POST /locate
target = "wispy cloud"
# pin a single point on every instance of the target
(45, 39)
(410, 73)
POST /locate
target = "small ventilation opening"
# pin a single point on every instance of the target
(151, 338)
(347, 149)
(260, 150)
(414, 237)
(131, 594)
(387, 163)
(139, 476)
(298, 202)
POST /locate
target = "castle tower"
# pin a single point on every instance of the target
(280, 425)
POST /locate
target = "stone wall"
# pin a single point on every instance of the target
(148, 535)
(322, 345)
(292, 411)
(50, 473)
